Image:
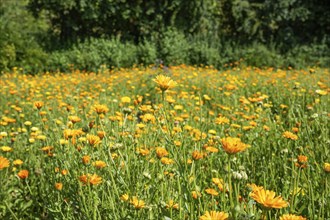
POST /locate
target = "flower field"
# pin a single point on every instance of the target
(165, 143)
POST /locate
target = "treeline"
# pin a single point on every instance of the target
(42, 35)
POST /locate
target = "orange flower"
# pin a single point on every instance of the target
(196, 155)
(214, 215)
(302, 161)
(291, 217)
(195, 194)
(91, 179)
(164, 82)
(172, 205)
(233, 145)
(267, 199)
(58, 186)
(4, 162)
(289, 135)
(38, 104)
(23, 174)
(86, 159)
(161, 152)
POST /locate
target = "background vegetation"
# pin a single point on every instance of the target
(44, 35)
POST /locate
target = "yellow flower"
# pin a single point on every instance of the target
(267, 199)
(326, 167)
(166, 161)
(321, 92)
(161, 152)
(291, 217)
(124, 197)
(138, 204)
(100, 109)
(93, 140)
(289, 135)
(211, 191)
(6, 149)
(172, 205)
(23, 174)
(4, 162)
(99, 164)
(91, 179)
(214, 215)
(125, 99)
(233, 145)
(221, 120)
(18, 162)
(74, 119)
(164, 82)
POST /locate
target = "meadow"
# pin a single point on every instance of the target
(181, 142)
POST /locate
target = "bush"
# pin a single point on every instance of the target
(202, 53)
(173, 47)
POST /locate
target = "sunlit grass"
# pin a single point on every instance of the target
(181, 143)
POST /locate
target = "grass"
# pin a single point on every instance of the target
(162, 155)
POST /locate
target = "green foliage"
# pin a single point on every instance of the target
(19, 38)
(174, 47)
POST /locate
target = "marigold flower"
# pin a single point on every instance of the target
(164, 82)
(38, 104)
(90, 179)
(212, 149)
(124, 197)
(100, 109)
(125, 99)
(6, 149)
(93, 140)
(18, 162)
(23, 174)
(58, 186)
(166, 161)
(172, 205)
(197, 155)
(99, 164)
(214, 215)
(161, 152)
(289, 135)
(4, 162)
(74, 119)
(211, 191)
(233, 145)
(267, 199)
(85, 159)
(195, 194)
(138, 204)
(221, 120)
(291, 217)
(101, 134)
(326, 167)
